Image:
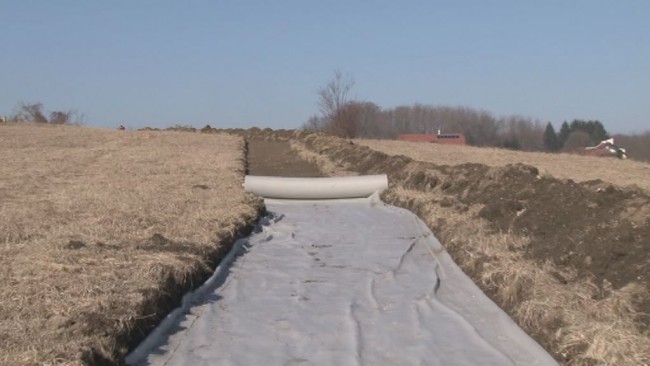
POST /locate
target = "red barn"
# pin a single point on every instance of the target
(443, 138)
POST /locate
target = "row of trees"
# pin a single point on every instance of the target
(637, 146)
(575, 135)
(349, 118)
(35, 113)
(345, 117)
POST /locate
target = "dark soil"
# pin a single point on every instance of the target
(275, 158)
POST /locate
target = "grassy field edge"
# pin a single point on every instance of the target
(102, 232)
(169, 296)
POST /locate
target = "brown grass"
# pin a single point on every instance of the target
(97, 226)
(563, 166)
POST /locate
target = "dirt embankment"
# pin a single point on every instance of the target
(624, 173)
(569, 261)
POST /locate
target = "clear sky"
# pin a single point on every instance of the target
(260, 63)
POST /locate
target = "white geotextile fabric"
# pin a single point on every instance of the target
(345, 282)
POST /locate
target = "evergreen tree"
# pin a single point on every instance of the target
(594, 129)
(565, 131)
(550, 138)
(511, 143)
(597, 131)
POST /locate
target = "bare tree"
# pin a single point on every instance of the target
(59, 118)
(30, 112)
(314, 123)
(335, 108)
(346, 121)
(71, 117)
(527, 132)
(370, 123)
(637, 146)
(33, 112)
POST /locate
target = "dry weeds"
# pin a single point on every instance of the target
(97, 227)
(563, 166)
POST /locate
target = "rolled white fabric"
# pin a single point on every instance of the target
(316, 188)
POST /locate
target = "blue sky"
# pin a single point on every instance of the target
(260, 63)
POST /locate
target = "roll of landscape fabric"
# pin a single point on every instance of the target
(316, 188)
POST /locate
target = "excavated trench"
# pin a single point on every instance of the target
(350, 281)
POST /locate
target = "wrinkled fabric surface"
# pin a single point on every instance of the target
(345, 282)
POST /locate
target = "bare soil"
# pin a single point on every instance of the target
(598, 229)
(275, 158)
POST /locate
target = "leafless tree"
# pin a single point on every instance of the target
(314, 123)
(637, 146)
(339, 114)
(70, 117)
(59, 118)
(33, 112)
(371, 124)
(527, 132)
(346, 120)
(30, 112)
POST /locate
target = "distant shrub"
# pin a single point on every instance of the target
(34, 113)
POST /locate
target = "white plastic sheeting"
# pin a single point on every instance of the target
(316, 188)
(346, 282)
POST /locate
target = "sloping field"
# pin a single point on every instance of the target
(568, 261)
(563, 166)
(101, 231)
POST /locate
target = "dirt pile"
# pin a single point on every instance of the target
(589, 238)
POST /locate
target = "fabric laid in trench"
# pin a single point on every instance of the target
(341, 282)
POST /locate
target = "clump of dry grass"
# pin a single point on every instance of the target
(564, 166)
(98, 227)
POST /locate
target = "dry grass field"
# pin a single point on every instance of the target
(563, 166)
(99, 228)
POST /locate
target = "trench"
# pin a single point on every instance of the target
(345, 282)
